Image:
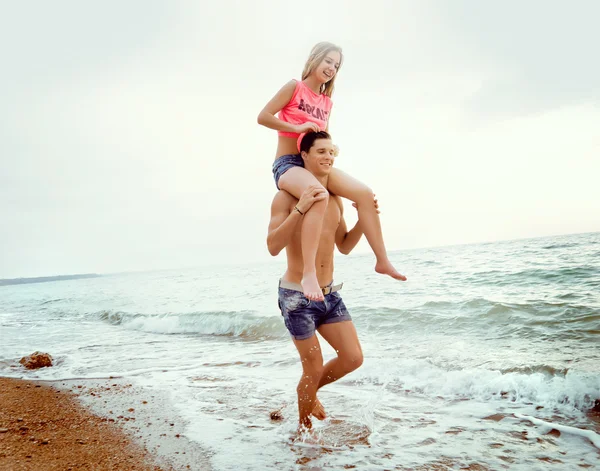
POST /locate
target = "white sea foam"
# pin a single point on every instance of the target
(589, 434)
(237, 324)
(574, 390)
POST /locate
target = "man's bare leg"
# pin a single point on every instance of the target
(344, 340)
(318, 411)
(312, 370)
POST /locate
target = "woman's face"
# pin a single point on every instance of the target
(328, 67)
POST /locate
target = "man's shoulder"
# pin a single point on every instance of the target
(283, 195)
(283, 198)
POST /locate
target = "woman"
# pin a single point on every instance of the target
(305, 106)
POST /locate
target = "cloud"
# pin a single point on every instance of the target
(129, 139)
(535, 56)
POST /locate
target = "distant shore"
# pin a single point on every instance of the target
(44, 279)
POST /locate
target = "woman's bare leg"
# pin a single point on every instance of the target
(295, 181)
(342, 184)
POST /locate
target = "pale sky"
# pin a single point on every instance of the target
(128, 135)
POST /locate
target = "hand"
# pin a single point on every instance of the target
(307, 127)
(310, 196)
(375, 203)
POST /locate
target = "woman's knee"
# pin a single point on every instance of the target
(365, 194)
(321, 205)
(324, 190)
(297, 180)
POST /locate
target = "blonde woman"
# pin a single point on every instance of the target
(305, 106)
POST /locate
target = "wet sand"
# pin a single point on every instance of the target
(63, 427)
(110, 424)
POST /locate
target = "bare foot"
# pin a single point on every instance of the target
(386, 268)
(319, 411)
(304, 426)
(311, 287)
(306, 436)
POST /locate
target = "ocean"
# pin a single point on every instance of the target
(469, 364)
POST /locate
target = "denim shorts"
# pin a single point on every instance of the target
(284, 163)
(303, 316)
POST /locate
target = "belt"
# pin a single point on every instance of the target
(297, 287)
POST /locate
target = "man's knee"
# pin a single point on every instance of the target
(352, 360)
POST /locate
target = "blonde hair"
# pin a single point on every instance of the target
(317, 55)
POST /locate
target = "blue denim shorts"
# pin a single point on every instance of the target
(284, 163)
(303, 316)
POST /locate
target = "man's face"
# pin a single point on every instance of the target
(319, 159)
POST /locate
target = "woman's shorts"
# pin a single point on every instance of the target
(284, 163)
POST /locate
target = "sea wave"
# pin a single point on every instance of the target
(565, 245)
(540, 385)
(245, 324)
(588, 274)
(473, 315)
(50, 301)
(482, 313)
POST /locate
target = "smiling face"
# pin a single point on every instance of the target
(323, 65)
(319, 158)
(328, 67)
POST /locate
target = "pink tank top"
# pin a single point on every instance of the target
(305, 105)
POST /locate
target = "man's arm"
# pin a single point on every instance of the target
(283, 222)
(344, 239)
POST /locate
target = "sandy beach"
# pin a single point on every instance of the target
(45, 428)
(95, 425)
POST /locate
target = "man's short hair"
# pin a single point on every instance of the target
(309, 139)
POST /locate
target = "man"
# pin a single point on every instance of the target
(301, 315)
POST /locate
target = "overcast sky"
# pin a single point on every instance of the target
(128, 135)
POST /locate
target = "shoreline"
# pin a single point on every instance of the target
(100, 424)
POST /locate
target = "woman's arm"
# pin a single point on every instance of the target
(267, 116)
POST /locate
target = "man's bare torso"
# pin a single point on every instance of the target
(324, 260)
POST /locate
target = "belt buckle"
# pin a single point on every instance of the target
(326, 290)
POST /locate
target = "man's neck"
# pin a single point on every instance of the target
(323, 180)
